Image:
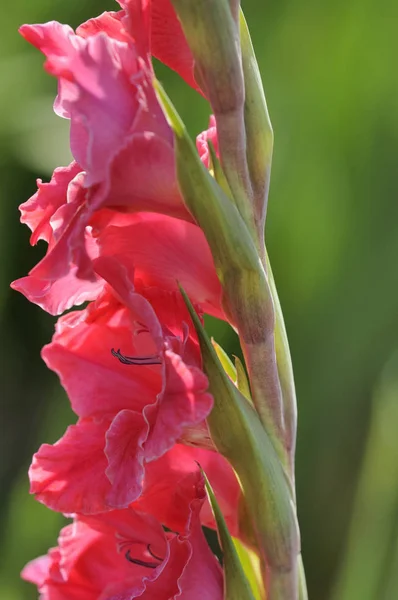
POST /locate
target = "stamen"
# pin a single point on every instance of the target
(154, 555)
(136, 360)
(140, 563)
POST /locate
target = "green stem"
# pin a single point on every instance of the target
(285, 372)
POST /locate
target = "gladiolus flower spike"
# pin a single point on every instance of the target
(152, 233)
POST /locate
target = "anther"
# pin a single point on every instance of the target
(152, 554)
(140, 563)
(136, 360)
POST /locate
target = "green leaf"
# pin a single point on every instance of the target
(237, 586)
(241, 379)
(252, 567)
(218, 172)
(225, 360)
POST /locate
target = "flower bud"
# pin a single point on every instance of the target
(259, 134)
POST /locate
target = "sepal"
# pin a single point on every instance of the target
(236, 584)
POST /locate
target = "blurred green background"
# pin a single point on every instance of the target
(331, 80)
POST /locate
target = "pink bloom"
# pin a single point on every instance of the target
(120, 140)
(105, 76)
(126, 554)
(129, 414)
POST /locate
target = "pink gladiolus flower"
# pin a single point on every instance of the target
(133, 406)
(127, 164)
(104, 73)
(131, 410)
(126, 554)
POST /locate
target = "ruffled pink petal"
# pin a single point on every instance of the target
(89, 553)
(67, 246)
(70, 475)
(59, 295)
(162, 497)
(199, 573)
(136, 20)
(160, 248)
(202, 141)
(168, 42)
(109, 22)
(124, 449)
(38, 210)
(54, 284)
(95, 381)
(121, 555)
(188, 553)
(37, 570)
(120, 278)
(183, 402)
(142, 177)
(141, 18)
(202, 578)
(95, 77)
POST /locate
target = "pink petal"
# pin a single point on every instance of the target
(184, 402)
(37, 570)
(168, 42)
(128, 165)
(191, 562)
(96, 382)
(143, 178)
(202, 142)
(109, 22)
(38, 210)
(95, 78)
(70, 475)
(167, 476)
(67, 247)
(124, 449)
(160, 248)
(59, 295)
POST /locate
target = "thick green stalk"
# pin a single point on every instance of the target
(238, 434)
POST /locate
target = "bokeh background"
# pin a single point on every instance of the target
(330, 75)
